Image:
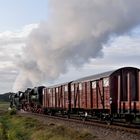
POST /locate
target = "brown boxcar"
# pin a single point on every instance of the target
(126, 97)
(91, 93)
(113, 92)
(56, 98)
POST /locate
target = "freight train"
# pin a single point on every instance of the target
(109, 95)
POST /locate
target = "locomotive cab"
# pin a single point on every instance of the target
(36, 95)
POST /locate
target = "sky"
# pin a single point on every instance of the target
(15, 14)
(45, 42)
(17, 19)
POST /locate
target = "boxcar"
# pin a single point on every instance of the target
(57, 98)
(91, 93)
(115, 92)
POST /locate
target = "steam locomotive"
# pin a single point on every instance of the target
(109, 95)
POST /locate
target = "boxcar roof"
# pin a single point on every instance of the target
(101, 75)
(58, 85)
(94, 77)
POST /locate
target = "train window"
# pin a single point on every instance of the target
(66, 88)
(72, 87)
(80, 86)
(56, 90)
(94, 84)
(106, 82)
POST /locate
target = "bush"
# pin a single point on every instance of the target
(13, 111)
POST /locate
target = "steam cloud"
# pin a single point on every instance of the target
(73, 33)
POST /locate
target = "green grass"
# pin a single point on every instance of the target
(4, 105)
(15, 127)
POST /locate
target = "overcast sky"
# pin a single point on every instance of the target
(21, 20)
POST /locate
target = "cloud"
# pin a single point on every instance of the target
(7, 76)
(12, 42)
(121, 51)
(11, 46)
(74, 33)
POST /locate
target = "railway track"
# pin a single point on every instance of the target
(116, 126)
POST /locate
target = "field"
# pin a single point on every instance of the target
(4, 106)
(16, 127)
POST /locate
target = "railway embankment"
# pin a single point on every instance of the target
(22, 127)
(98, 132)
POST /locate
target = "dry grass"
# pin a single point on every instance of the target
(4, 106)
(59, 132)
(14, 127)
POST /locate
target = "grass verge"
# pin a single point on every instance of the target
(15, 127)
(4, 105)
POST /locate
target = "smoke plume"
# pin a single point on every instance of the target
(73, 33)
